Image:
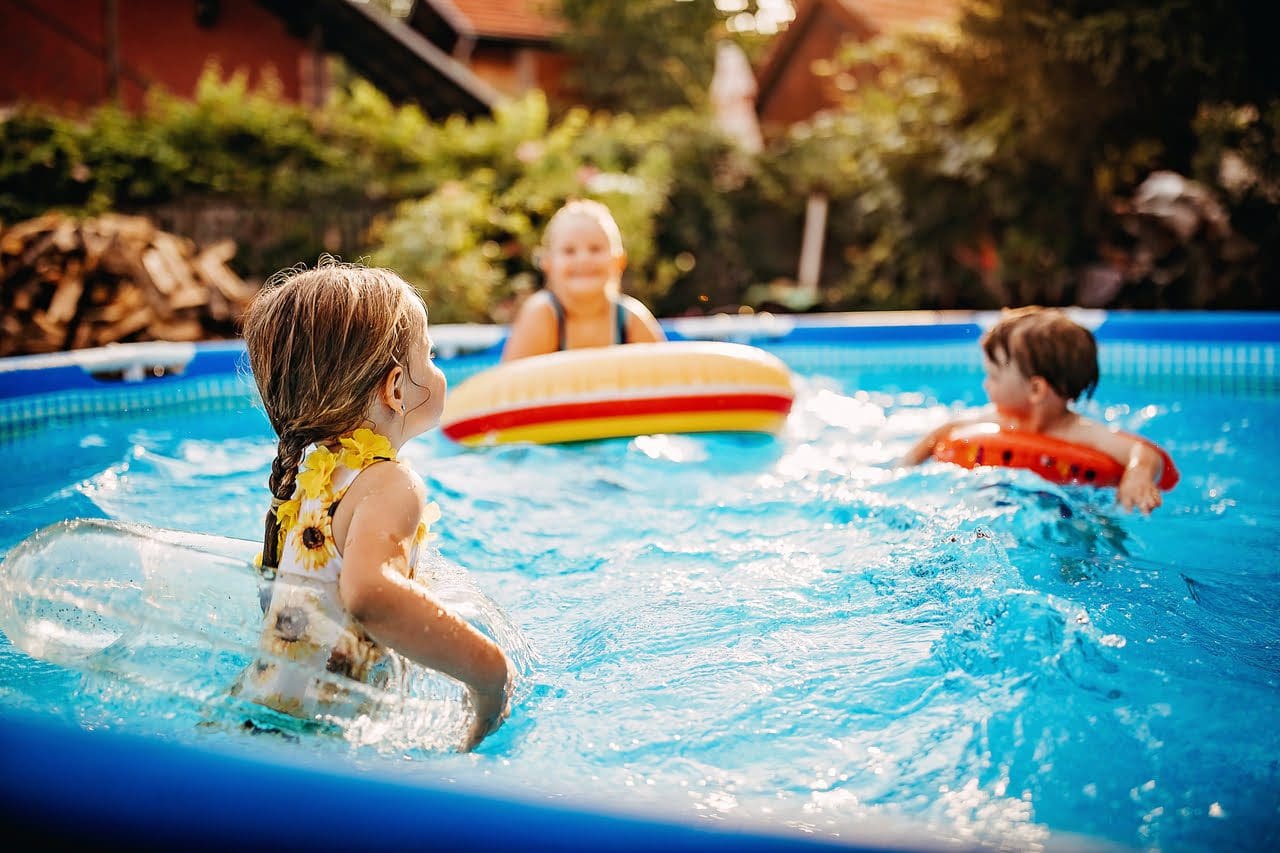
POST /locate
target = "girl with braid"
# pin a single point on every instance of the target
(342, 359)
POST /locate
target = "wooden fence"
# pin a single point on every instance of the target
(271, 238)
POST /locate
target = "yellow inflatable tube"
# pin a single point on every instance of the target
(612, 392)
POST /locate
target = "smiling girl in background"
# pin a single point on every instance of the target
(582, 304)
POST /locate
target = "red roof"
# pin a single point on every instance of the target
(510, 19)
(788, 89)
(887, 15)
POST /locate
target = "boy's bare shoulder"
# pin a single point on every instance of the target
(1100, 436)
(1081, 429)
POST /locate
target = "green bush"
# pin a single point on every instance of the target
(228, 141)
(947, 187)
(470, 244)
(445, 244)
(41, 165)
(501, 177)
(913, 191)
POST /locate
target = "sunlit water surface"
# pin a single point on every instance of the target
(790, 629)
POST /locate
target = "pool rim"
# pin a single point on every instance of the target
(30, 375)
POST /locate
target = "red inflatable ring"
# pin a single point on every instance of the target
(1052, 458)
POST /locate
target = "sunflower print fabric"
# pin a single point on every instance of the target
(313, 655)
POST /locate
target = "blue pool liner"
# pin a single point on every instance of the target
(66, 787)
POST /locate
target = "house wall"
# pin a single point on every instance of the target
(52, 51)
(515, 69)
(797, 93)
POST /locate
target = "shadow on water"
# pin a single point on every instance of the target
(1074, 528)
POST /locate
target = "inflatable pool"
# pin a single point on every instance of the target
(743, 645)
(611, 392)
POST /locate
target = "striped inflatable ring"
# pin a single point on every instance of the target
(1056, 460)
(612, 392)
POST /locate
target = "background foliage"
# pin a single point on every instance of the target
(949, 186)
(645, 56)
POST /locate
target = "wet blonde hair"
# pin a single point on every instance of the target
(1047, 343)
(320, 343)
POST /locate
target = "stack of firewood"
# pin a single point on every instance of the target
(69, 283)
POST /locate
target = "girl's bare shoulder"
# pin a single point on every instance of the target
(390, 478)
(390, 492)
(641, 324)
(537, 305)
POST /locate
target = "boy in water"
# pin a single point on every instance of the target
(1037, 361)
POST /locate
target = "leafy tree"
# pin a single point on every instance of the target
(1107, 92)
(992, 163)
(1115, 86)
(643, 56)
(484, 227)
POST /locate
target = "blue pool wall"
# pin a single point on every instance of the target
(66, 788)
(44, 374)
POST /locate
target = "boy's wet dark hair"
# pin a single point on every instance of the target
(1046, 342)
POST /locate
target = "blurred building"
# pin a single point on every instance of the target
(510, 44)
(790, 89)
(448, 56)
(75, 54)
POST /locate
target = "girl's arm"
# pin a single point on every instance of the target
(642, 326)
(533, 331)
(400, 613)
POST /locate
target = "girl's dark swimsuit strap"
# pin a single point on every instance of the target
(619, 321)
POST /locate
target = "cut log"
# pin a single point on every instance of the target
(134, 322)
(66, 237)
(65, 299)
(178, 330)
(67, 283)
(15, 239)
(158, 272)
(211, 266)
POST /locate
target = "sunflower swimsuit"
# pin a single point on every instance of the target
(315, 661)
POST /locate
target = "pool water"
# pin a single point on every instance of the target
(790, 629)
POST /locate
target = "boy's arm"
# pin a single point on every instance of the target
(923, 449)
(1143, 465)
(401, 613)
(533, 331)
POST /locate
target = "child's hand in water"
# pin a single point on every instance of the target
(491, 710)
(1137, 490)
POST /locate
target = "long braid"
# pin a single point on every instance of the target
(284, 476)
